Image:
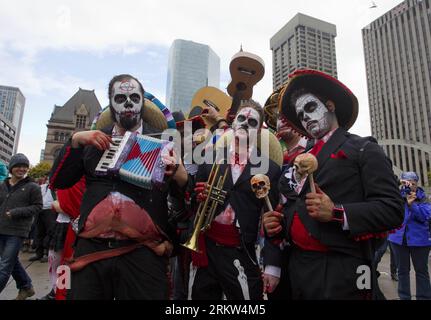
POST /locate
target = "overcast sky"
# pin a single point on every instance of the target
(51, 48)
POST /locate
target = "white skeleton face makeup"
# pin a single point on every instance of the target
(127, 102)
(245, 127)
(247, 118)
(314, 115)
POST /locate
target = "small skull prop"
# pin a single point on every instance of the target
(260, 185)
(305, 164)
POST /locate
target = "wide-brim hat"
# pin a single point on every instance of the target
(157, 115)
(346, 103)
(270, 109)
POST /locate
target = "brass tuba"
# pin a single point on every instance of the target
(206, 210)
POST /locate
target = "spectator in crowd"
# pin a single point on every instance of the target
(412, 240)
(45, 224)
(20, 200)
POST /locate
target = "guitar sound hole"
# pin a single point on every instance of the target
(241, 86)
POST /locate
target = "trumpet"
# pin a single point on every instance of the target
(206, 210)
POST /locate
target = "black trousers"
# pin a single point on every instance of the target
(325, 276)
(45, 225)
(138, 275)
(231, 272)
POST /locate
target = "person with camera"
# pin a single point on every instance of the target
(412, 240)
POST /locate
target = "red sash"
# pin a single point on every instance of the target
(226, 235)
(299, 234)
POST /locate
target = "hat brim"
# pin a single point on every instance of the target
(346, 103)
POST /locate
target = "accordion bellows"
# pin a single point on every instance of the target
(136, 159)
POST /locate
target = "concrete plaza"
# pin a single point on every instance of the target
(39, 274)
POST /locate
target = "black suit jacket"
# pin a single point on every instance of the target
(247, 207)
(362, 181)
(73, 163)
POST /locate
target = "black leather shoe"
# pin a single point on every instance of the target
(49, 296)
(35, 258)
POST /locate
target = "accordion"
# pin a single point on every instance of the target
(136, 159)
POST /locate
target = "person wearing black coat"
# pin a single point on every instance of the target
(124, 238)
(227, 264)
(330, 234)
(20, 201)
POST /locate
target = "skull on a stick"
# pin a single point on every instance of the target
(305, 164)
(261, 185)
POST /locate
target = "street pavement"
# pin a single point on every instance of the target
(39, 274)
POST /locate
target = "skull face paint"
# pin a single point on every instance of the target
(314, 116)
(247, 118)
(126, 102)
(245, 126)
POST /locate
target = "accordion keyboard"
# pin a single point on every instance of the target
(109, 157)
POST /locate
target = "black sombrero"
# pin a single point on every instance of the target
(346, 103)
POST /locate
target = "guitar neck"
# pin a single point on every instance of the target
(236, 101)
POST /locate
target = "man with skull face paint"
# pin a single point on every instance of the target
(330, 234)
(126, 103)
(228, 263)
(124, 238)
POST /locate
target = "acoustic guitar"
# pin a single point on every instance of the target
(210, 97)
(246, 70)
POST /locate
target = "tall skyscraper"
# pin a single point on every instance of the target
(191, 66)
(397, 50)
(12, 103)
(304, 42)
(7, 139)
